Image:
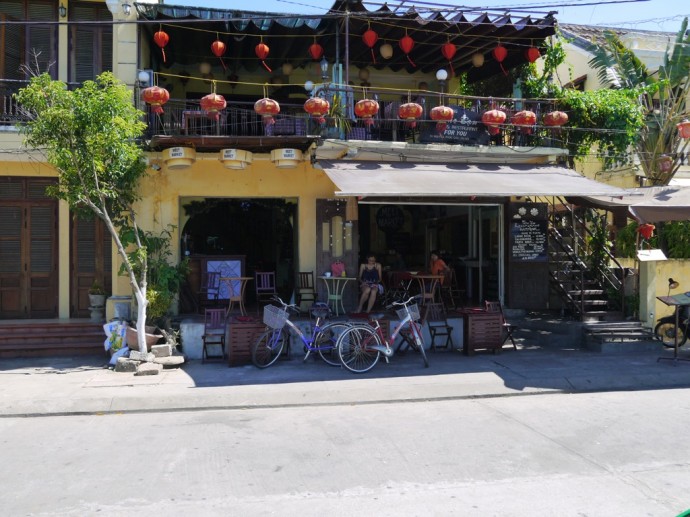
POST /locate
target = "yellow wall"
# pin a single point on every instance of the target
(654, 277)
(162, 192)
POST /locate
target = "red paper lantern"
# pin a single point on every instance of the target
(370, 38)
(267, 108)
(646, 230)
(555, 119)
(367, 109)
(448, 50)
(500, 53)
(410, 112)
(684, 129)
(492, 119)
(156, 97)
(315, 51)
(212, 104)
(524, 120)
(442, 115)
(218, 48)
(406, 44)
(262, 51)
(532, 54)
(161, 39)
(317, 108)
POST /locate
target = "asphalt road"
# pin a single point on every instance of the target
(590, 454)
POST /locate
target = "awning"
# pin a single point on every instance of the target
(429, 180)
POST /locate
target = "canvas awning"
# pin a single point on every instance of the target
(376, 180)
(648, 204)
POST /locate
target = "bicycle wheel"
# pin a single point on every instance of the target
(326, 342)
(666, 333)
(419, 341)
(268, 347)
(354, 348)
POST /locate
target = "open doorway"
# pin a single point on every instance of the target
(260, 230)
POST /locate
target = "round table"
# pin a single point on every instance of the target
(428, 284)
(335, 286)
(236, 287)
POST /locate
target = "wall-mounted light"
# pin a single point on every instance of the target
(324, 69)
(115, 5)
(62, 10)
(144, 78)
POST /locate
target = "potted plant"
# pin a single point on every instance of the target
(97, 295)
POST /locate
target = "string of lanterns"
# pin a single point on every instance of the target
(370, 38)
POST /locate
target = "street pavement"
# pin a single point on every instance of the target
(85, 385)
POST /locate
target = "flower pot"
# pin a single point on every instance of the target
(151, 339)
(97, 300)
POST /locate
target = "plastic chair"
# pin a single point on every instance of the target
(214, 334)
(508, 329)
(437, 322)
(305, 288)
(209, 290)
(265, 284)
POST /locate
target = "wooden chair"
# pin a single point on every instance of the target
(265, 285)
(214, 334)
(306, 290)
(209, 290)
(437, 323)
(451, 295)
(508, 329)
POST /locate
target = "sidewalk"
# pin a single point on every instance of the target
(64, 386)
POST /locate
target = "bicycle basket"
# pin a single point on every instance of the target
(414, 312)
(275, 317)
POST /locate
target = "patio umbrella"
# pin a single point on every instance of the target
(668, 204)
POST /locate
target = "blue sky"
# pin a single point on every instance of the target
(664, 15)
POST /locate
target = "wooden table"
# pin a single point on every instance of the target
(432, 281)
(335, 286)
(236, 287)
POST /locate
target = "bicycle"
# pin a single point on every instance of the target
(270, 344)
(360, 346)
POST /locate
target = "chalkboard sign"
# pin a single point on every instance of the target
(466, 128)
(389, 218)
(528, 242)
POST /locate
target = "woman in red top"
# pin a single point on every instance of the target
(438, 266)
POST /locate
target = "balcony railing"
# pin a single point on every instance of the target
(186, 118)
(10, 112)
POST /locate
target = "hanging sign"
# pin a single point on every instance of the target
(466, 128)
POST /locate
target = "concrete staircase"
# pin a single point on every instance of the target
(38, 338)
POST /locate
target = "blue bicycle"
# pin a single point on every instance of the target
(322, 340)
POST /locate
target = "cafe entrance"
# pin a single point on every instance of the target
(467, 236)
(260, 232)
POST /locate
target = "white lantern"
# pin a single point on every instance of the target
(478, 59)
(386, 51)
(287, 68)
(205, 68)
(364, 74)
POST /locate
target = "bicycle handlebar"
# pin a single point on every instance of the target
(405, 303)
(286, 306)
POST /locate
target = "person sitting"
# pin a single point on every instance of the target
(438, 266)
(370, 283)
